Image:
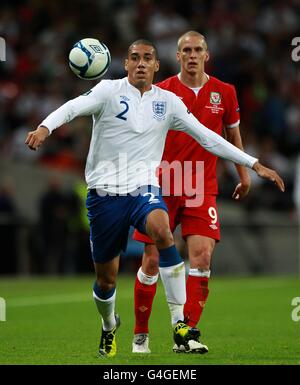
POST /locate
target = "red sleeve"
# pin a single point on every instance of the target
(231, 116)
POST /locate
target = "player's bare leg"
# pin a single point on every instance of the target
(158, 228)
(104, 293)
(150, 260)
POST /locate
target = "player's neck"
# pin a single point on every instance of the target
(193, 80)
(141, 86)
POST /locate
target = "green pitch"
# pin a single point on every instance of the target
(54, 321)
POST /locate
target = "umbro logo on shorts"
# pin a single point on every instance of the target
(214, 227)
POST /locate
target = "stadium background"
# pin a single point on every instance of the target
(254, 289)
(42, 217)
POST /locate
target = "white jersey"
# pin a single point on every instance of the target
(129, 132)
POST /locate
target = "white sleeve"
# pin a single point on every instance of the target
(87, 104)
(184, 120)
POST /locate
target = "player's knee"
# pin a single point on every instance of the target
(106, 284)
(162, 235)
(200, 258)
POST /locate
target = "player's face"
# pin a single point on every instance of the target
(192, 54)
(141, 65)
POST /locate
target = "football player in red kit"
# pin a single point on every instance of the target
(214, 103)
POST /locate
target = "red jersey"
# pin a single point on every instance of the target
(214, 106)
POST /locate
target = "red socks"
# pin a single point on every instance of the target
(143, 299)
(197, 292)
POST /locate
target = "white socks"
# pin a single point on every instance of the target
(173, 279)
(106, 309)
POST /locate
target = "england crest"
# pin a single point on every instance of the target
(215, 98)
(159, 109)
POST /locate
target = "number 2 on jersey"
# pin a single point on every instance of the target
(152, 198)
(121, 114)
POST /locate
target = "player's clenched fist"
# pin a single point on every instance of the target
(36, 138)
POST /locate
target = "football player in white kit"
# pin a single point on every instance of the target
(131, 118)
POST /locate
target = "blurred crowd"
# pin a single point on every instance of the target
(249, 44)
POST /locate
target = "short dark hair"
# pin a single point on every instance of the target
(144, 42)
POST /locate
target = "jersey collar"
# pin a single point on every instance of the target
(136, 91)
(191, 88)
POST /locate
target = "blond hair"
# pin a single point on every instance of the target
(191, 33)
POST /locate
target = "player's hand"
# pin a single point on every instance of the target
(36, 138)
(241, 190)
(270, 174)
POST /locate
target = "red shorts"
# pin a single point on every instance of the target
(200, 220)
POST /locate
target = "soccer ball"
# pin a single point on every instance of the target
(89, 59)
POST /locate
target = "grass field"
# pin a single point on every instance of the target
(54, 321)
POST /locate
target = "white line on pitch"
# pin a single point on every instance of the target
(48, 300)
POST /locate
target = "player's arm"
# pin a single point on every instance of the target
(234, 137)
(83, 105)
(184, 121)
